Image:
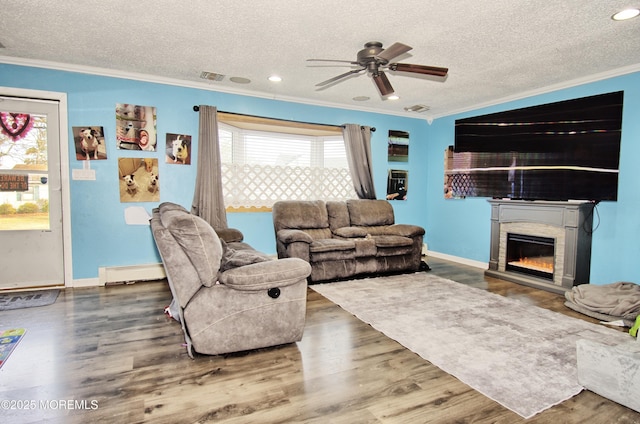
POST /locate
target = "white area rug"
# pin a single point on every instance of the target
(521, 356)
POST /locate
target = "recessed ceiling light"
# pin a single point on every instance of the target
(240, 80)
(393, 97)
(275, 78)
(361, 98)
(626, 14)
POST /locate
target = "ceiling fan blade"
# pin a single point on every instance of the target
(394, 50)
(419, 69)
(332, 60)
(336, 78)
(383, 84)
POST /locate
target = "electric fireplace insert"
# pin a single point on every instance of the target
(531, 255)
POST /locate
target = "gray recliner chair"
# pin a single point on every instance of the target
(227, 296)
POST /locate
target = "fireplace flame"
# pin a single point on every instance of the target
(544, 264)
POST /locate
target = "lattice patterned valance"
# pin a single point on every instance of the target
(261, 186)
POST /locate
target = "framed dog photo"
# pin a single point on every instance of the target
(178, 149)
(136, 127)
(89, 142)
(139, 180)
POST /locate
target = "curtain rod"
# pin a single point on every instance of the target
(197, 109)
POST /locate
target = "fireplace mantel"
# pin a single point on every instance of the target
(568, 223)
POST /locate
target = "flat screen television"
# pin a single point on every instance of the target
(568, 150)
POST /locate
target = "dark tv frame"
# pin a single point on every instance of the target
(568, 150)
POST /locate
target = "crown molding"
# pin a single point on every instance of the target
(105, 72)
(548, 89)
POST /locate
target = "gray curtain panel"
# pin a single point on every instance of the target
(208, 200)
(357, 141)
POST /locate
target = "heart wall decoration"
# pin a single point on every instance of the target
(15, 125)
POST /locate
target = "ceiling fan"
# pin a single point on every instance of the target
(374, 59)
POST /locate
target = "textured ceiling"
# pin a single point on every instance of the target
(495, 49)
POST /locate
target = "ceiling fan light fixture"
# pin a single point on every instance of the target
(623, 15)
(275, 78)
(374, 60)
(393, 97)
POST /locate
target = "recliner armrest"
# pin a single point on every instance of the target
(229, 235)
(406, 230)
(288, 236)
(266, 275)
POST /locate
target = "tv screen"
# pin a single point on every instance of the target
(558, 151)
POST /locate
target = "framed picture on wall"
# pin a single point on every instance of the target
(397, 184)
(139, 180)
(398, 149)
(456, 184)
(89, 143)
(136, 127)
(178, 149)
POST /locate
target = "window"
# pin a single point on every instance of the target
(261, 167)
(24, 198)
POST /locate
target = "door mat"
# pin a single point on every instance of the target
(27, 299)
(9, 339)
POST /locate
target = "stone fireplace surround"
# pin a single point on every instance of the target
(567, 223)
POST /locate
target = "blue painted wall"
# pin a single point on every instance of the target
(100, 236)
(461, 227)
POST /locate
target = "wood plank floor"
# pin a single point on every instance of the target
(110, 355)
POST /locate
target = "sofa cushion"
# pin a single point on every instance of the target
(300, 214)
(330, 245)
(375, 230)
(338, 214)
(319, 233)
(392, 241)
(369, 212)
(197, 239)
(350, 232)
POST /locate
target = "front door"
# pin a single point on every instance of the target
(31, 237)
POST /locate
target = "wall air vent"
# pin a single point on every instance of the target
(211, 76)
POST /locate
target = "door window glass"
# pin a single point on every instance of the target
(24, 189)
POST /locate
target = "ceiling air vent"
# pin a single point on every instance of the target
(417, 108)
(211, 76)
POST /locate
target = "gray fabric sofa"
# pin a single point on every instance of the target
(346, 239)
(227, 296)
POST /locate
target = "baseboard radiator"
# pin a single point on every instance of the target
(130, 274)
